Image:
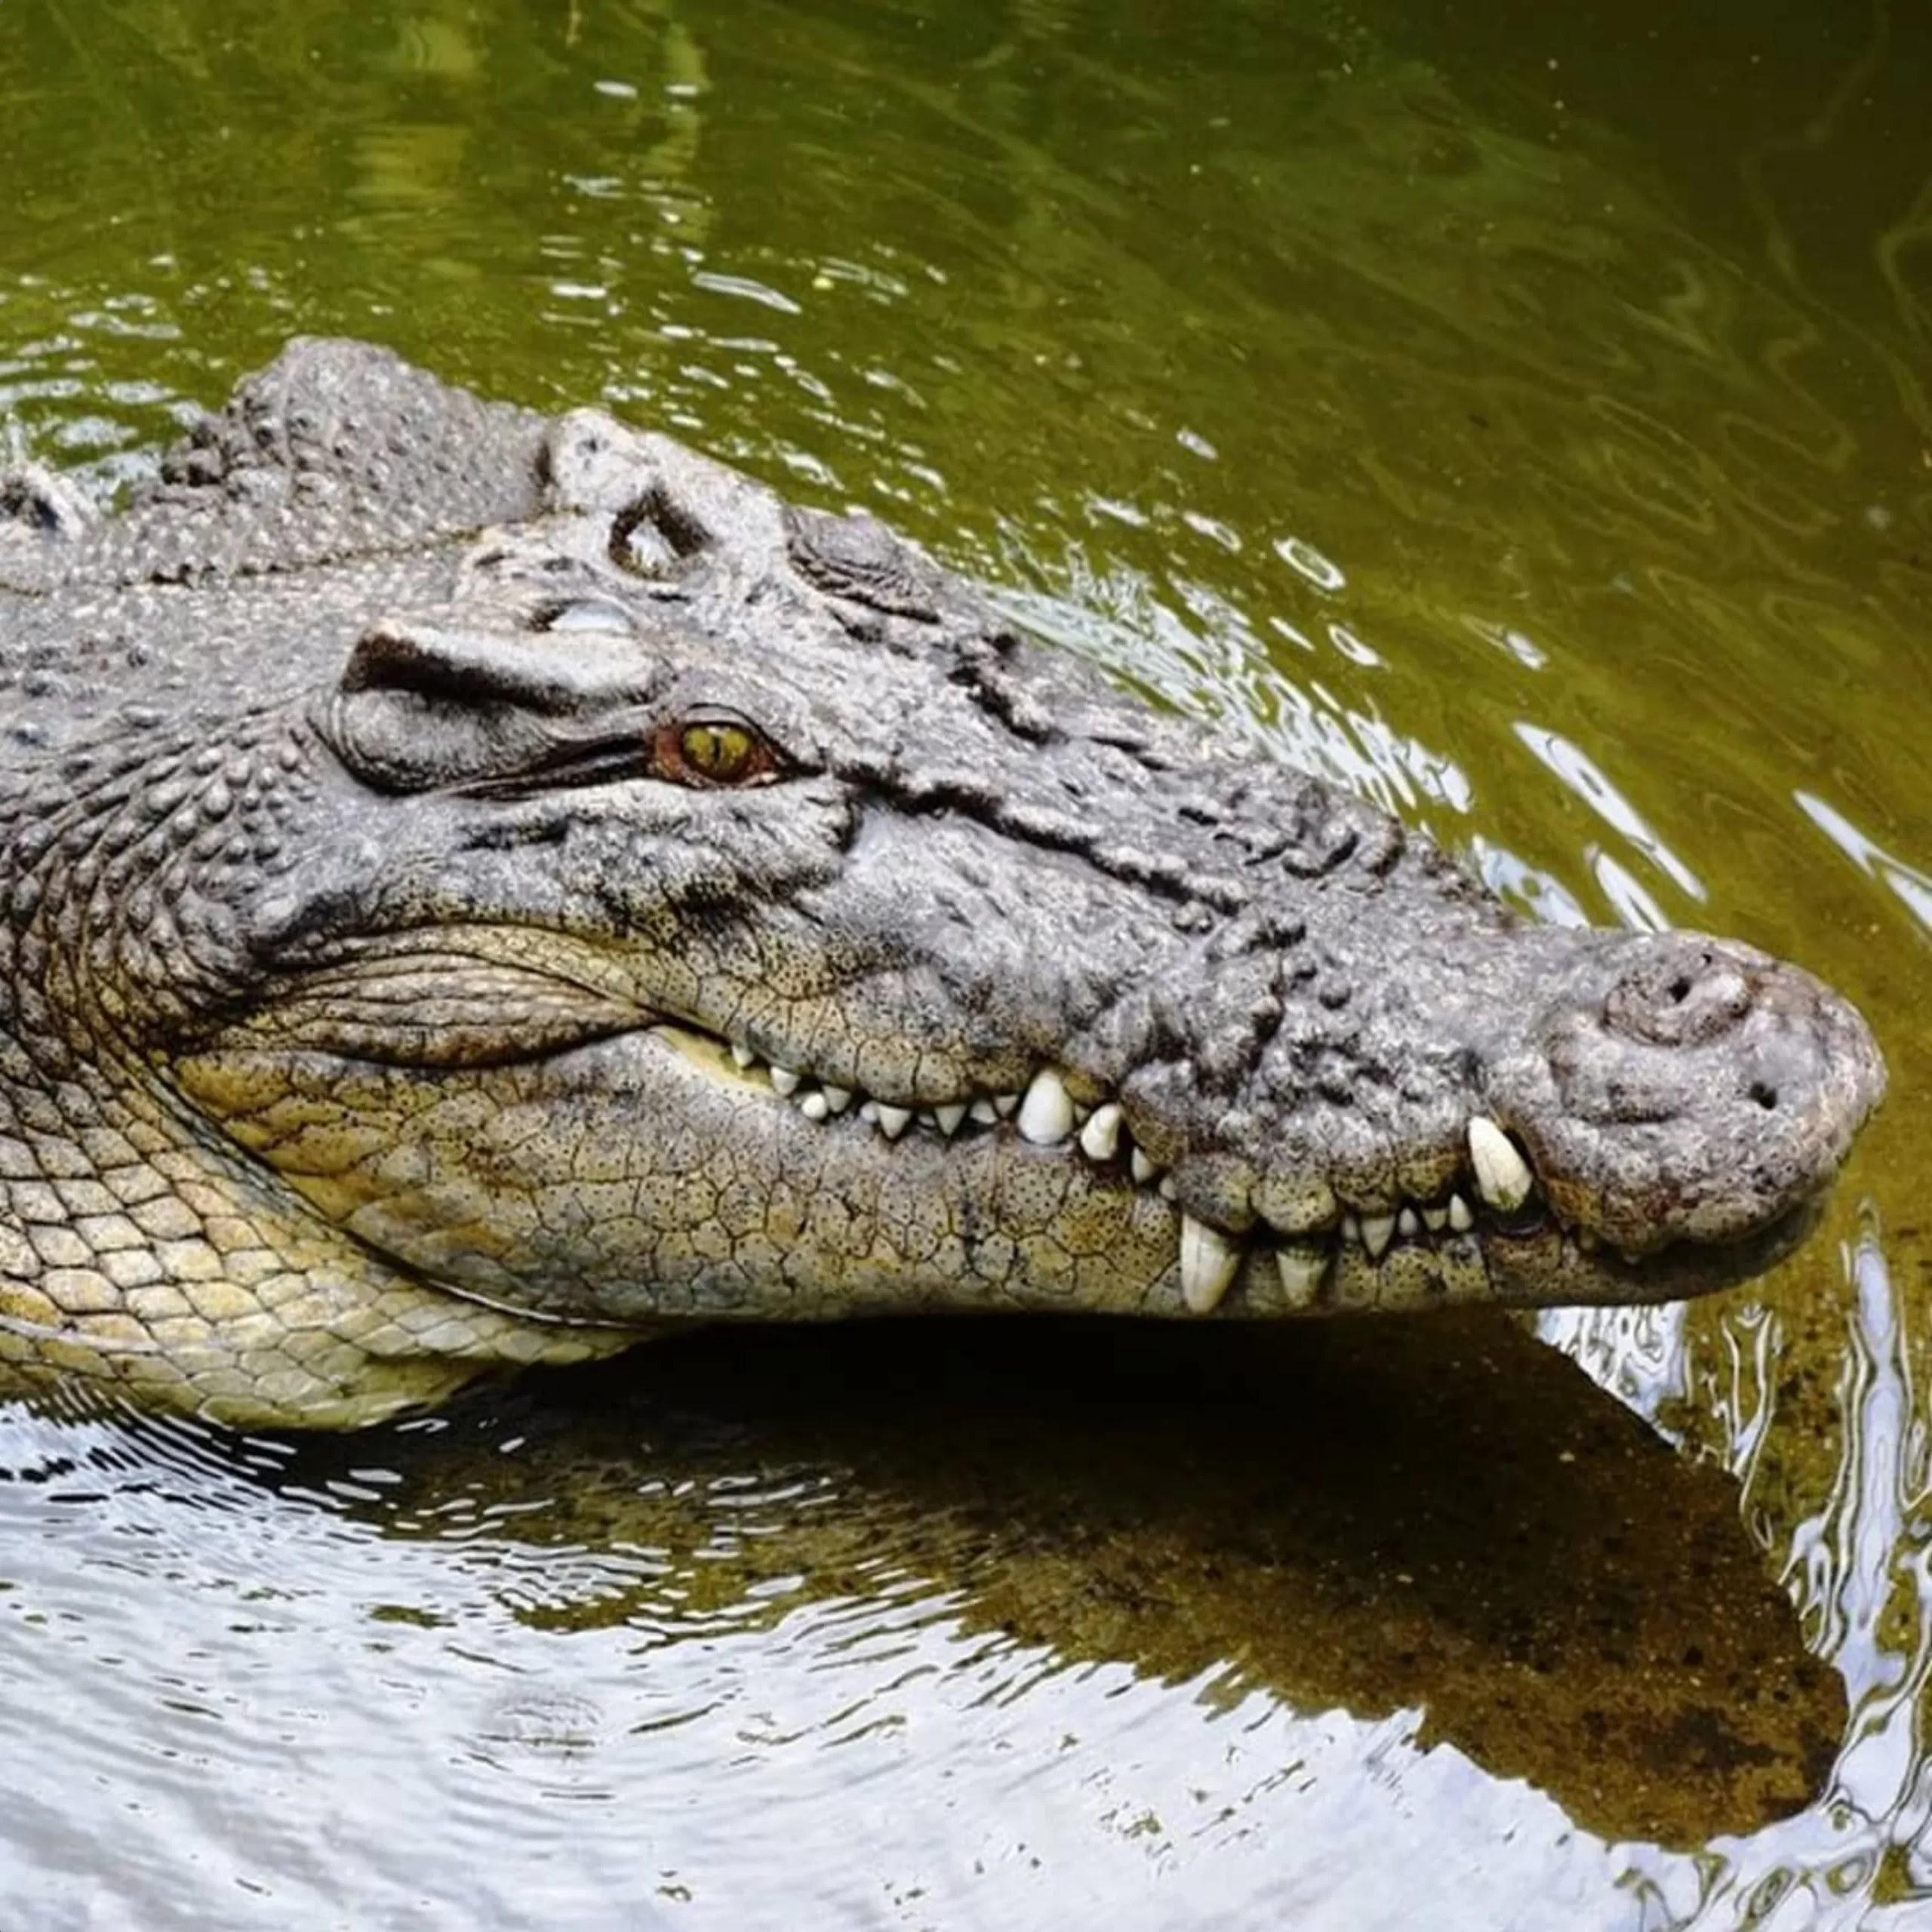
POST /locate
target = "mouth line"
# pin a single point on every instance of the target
(1340, 1257)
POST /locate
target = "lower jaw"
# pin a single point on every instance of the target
(1681, 1272)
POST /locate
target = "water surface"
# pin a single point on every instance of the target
(1524, 418)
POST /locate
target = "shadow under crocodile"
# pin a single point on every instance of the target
(1440, 1514)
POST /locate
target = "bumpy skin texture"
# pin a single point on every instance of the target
(480, 888)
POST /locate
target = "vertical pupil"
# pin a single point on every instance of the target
(716, 749)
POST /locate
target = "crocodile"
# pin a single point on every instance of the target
(484, 888)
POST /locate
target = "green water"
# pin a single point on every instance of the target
(1522, 414)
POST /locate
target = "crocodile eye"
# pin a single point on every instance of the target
(715, 751)
(722, 753)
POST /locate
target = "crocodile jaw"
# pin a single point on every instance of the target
(659, 1172)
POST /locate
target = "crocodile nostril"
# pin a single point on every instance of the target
(1677, 996)
(1765, 1094)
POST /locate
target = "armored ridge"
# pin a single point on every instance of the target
(483, 888)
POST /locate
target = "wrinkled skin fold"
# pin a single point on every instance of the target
(483, 888)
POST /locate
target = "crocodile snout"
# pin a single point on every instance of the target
(1697, 1089)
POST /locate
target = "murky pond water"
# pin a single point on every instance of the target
(1529, 421)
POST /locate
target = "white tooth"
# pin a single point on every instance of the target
(1046, 1115)
(742, 1054)
(1100, 1139)
(1303, 1265)
(1208, 1264)
(1351, 1228)
(1166, 1188)
(1004, 1103)
(783, 1080)
(1377, 1232)
(981, 1111)
(813, 1105)
(1502, 1177)
(1460, 1219)
(838, 1099)
(868, 1112)
(1435, 1219)
(892, 1121)
(1586, 1239)
(1406, 1225)
(1144, 1169)
(927, 1118)
(947, 1118)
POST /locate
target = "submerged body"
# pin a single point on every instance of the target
(481, 888)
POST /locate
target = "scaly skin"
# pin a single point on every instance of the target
(481, 889)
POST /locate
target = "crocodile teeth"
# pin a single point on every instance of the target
(1502, 1176)
(1302, 1267)
(1208, 1264)
(1046, 1115)
(1100, 1139)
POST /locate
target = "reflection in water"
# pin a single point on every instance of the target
(1848, 1519)
(1913, 888)
(1304, 557)
(1317, 375)
(1587, 778)
(1858, 1566)
(1106, 1603)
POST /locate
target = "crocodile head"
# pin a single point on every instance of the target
(673, 905)
(714, 909)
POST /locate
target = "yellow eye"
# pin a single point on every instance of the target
(715, 751)
(722, 753)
